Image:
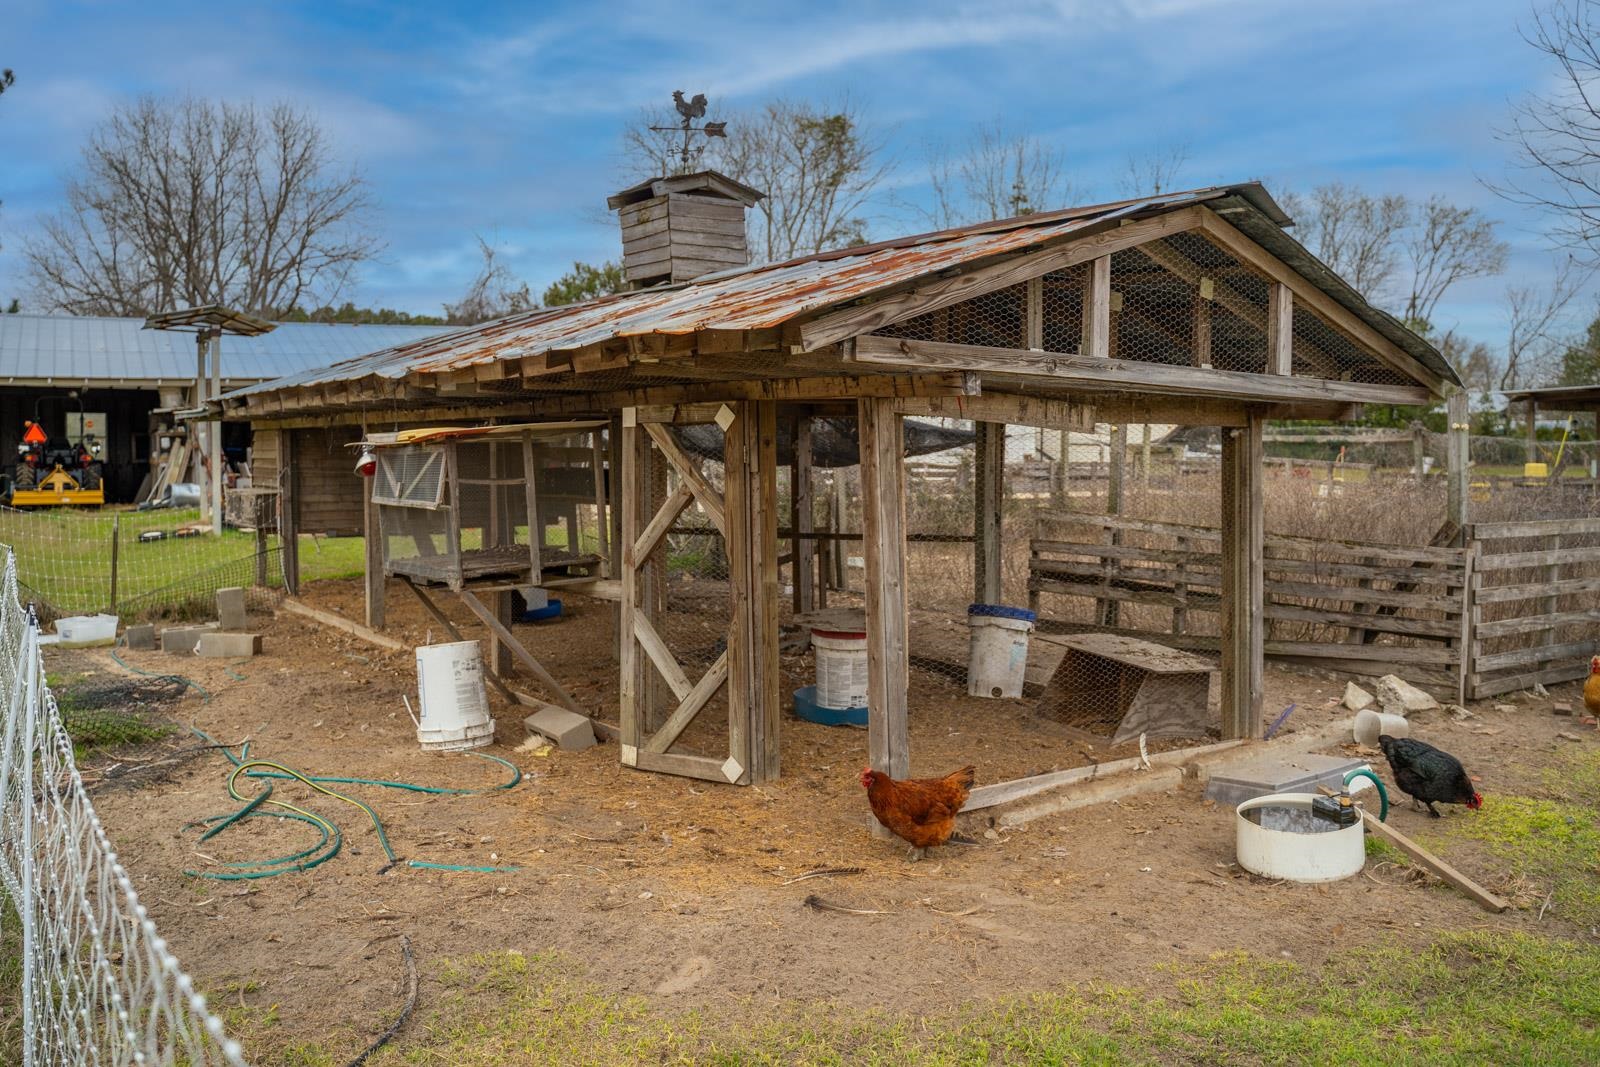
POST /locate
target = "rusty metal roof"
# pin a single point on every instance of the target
(753, 298)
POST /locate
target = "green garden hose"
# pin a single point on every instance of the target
(332, 839)
(1383, 794)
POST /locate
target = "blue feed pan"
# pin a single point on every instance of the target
(805, 706)
(549, 611)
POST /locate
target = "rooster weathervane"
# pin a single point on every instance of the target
(689, 109)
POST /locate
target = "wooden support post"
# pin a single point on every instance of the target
(750, 502)
(288, 505)
(1530, 446)
(658, 696)
(884, 520)
(634, 454)
(116, 539)
(1144, 457)
(372, 552)
(1458, 458)
(1202, 325)
(1280, 329)
(1419, 450)
(841, 572)
(988, 503)
(501, 659)
(1116, 467)
(1243, 554)
(602, 525)
(803, 517)
(1097, 310)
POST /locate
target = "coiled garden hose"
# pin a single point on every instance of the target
(1383, 794)
(332, 839)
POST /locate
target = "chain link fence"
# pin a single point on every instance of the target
(99, 985)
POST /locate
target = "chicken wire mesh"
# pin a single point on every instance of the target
(135, 564)
(98, 982)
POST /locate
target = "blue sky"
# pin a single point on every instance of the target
(504, 119)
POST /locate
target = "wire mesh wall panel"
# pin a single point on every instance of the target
(136, 564)
(98, 983)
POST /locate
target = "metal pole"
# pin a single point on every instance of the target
(116, 537)
(198, 430)
(216, 434)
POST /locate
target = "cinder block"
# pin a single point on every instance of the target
(182, 640)
(228, 646)
(231, 615)
(568, 730)
(142, 638)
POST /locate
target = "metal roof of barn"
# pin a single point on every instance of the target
(121, 353)
(761, 297)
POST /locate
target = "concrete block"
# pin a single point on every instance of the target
(142, 638)
(230, 610)
(228, 646)
(568, 730)
(182, 640)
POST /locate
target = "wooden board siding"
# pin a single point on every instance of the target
(328, 492)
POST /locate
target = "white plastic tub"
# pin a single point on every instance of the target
(1272, 850)
(454, 706)
(84, 631)
(997, 657)
(1370, 725)
(841, 668)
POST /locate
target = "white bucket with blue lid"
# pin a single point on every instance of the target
(997, 661)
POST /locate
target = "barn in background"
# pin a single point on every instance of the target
(56, 367)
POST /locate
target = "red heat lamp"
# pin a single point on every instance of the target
(367, 465)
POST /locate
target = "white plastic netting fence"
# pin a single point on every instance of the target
(98, 983)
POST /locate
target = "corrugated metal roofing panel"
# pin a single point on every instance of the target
(120, 351)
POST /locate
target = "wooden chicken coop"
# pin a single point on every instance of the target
(1196, 308)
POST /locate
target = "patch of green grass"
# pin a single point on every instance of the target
(1381, 851)
(1479, 997)
(1554, 840)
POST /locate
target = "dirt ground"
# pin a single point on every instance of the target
(683, 892)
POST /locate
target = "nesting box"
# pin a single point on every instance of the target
(502, 504)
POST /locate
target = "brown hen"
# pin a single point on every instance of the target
(920, 811)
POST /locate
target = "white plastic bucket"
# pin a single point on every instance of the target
(841, 668)
(454, 706)
(1369, 725)
(1334, 853)
(81, 631)
(997, 659)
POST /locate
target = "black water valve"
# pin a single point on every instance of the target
(1339, 809)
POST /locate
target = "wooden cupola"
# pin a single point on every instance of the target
(679, 228)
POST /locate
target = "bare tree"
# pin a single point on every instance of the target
(1352, 232)
(1557, 134)
(1533, 316)
(1153, 172)
(1474, 361)
(996, 174)
(493, 293)
(191, 202)
(817, 166)
(1447, 244)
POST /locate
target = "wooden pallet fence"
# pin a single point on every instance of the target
(1356, 607)
(1534, 616)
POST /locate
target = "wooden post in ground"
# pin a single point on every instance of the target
(116, 538)
(372, 570)
(989, 466)
(801, 516)
(884, 521)
(1243, 553)
(613, 516)
(1116, 469)
(1458, 458)
(635, 511)
(288, 504)
(750, 502)
(1530, 446)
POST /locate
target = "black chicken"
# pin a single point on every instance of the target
(1427, 774)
